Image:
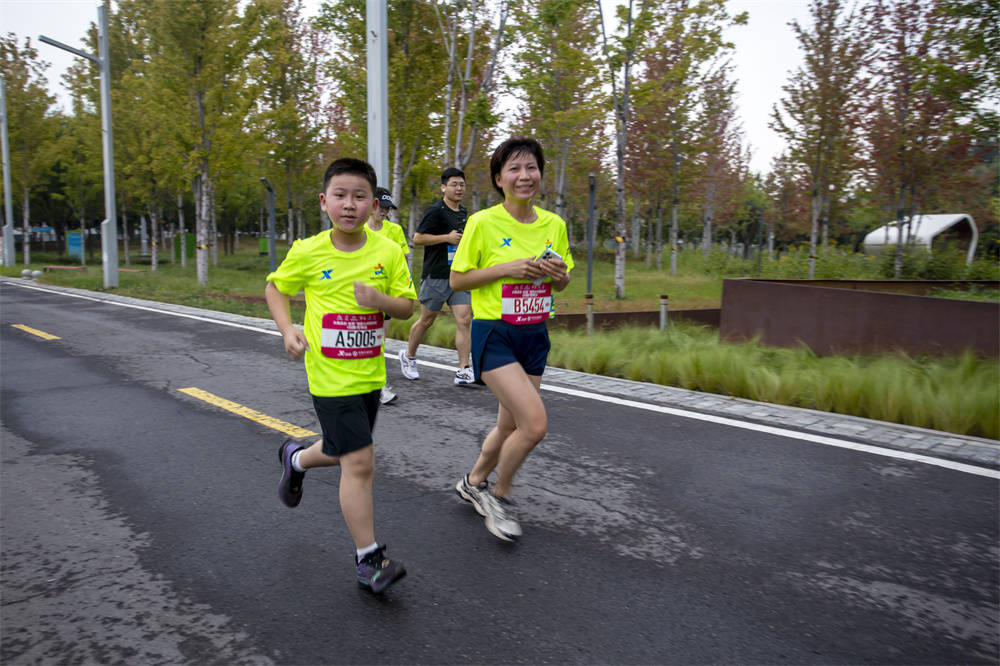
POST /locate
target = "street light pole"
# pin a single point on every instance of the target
(8, 206)
(109, 227)
(590, 235)
(378, 89)
(270, 221)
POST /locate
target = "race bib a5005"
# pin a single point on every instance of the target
(525, 303)
(351, 336)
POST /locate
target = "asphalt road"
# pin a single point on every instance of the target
(139, 524)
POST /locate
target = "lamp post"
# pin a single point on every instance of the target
(109, 227)
(270, 222)
(590, 235)
(8, 207)
(589, 298)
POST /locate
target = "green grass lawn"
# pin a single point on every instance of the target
(955, 394)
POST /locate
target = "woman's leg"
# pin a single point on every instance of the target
(520, 404)
(489, 456)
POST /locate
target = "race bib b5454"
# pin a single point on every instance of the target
(525, 303)
(351, 336)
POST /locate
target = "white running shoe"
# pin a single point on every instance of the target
(386, 396)
(501, 517)
(408, 366)
(476, 495)
(465, 376)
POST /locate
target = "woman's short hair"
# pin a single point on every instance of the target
(513, 146)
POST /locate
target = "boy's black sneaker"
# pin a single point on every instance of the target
(290, 486)
(377, 572)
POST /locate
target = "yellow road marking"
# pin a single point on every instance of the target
(35, 331)
(246, 412)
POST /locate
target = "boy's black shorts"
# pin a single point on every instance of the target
(347, 421)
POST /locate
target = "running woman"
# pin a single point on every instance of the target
(499, 260)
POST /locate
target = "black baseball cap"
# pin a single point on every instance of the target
(385, 201)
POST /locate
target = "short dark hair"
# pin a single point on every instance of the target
(353, 166)
(513, 146)
(451, 172)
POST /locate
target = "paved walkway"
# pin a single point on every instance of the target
(961, 448)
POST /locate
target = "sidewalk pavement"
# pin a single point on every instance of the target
(932, 443)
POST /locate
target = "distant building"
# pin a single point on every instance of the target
(954, 230)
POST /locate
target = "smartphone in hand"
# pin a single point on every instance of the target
(549, 253)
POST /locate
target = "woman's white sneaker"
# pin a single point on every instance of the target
(501, 518)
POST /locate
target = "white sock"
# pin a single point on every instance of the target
(295, 461)
(364, 551)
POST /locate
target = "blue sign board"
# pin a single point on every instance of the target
(74, 244)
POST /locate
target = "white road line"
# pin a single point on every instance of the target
(721, 420)
(149, 309)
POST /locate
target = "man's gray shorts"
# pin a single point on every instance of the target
(434, 293)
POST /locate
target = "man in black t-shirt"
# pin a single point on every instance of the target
(438, 232)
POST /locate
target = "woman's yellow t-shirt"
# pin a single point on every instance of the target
(492, 236)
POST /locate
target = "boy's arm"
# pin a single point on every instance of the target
(295, 340)
(397, 307)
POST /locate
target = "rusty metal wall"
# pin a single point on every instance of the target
(851, 320)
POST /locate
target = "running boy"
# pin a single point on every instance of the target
(512, 256)
(351, 278)
(378, 223)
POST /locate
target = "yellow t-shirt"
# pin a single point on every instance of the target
(345, 355)
(393, 232)
(492, 236)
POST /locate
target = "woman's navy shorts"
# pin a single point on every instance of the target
(495, 343)
(347, 421)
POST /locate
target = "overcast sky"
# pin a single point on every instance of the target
(766, 51)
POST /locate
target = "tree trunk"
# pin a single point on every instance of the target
(659, 234)
(180, 223)
(203, 227)
(621, 224)
(817, 205)
(464, 84)
(675, 177)
(897, 264)
(560, 184)
(636, 228)
(154, 237)
(128, 259)
(707, 214)
(26, 242)
(213, 239)
(83, 240)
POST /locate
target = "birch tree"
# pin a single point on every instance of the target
(28, 129)
(620, 58)
(917, 117)
(686, 45)
(821, 111)
(199, 48)
(558, 80)
(471, 78)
